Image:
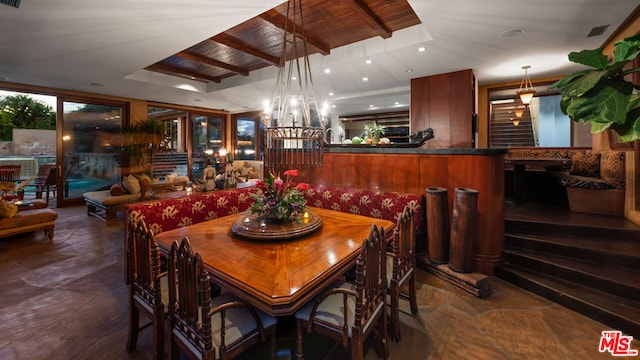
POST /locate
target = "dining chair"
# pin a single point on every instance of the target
(147, 288)
(6, 175)
(15, 169)
(402, 262)
(349, 312)
(46, 180)
(205, 328)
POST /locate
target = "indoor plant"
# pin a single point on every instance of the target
(603, 95)
(374, 132)
(279, 200)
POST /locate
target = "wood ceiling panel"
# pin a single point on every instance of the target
(257, 43)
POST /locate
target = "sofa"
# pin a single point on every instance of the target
(167, 214)
(595, 182)
(106, 204)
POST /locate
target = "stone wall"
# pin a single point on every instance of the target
(29, 142)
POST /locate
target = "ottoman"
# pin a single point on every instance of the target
(29, 221)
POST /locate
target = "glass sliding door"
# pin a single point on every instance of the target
(246, 142)
(207, 134)
(90, 156)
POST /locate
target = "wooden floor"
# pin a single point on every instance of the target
(66, 299)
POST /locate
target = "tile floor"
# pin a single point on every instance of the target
(66, 299)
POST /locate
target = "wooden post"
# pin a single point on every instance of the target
(438, 225)
(463, 229)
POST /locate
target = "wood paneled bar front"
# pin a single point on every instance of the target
(413, 170)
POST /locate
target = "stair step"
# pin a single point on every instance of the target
(619, 313)
(623, 282)
(604, 251)
(590, 230)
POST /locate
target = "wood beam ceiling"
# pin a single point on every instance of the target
(371, 18)
(235, 43)
(280, 21)
(209, 61)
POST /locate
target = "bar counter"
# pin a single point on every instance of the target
(405, 169)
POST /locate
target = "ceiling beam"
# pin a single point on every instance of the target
(370, 18)
(280, 21)
(173, 70)
(233, 42)
(209, 61)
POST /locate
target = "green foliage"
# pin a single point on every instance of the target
(601, 95)
(24, 112)
(144, 138)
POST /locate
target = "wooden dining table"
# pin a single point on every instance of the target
(277, 276)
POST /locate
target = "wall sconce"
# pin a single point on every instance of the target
(526, 91)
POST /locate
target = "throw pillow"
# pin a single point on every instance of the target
(132, 184)
(238, 165)
(116, 190)
(144, 180)
(8, 210)
(585, 163)
(171, 178)
(612, 168)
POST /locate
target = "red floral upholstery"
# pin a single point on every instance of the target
(168, 214)
(377, 204)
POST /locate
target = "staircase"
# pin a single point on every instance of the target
(587, 263)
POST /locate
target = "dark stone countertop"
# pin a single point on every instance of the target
(404, 149)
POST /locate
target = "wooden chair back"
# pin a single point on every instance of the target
(403, 245)
(144, 263)
(190, 299)
(191, 309)
(15, 169)
(145, 289)
(402, 261)
(47, 174)
(350, 312)
(371, 280)
(6, 176)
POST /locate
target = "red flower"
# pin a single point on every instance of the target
(302, 186)
(291, 172)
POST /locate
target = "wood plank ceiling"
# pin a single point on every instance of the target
(257, 43)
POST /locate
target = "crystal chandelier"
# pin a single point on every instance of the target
(294, 124)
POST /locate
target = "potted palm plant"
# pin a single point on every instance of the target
(603, 95)
(374, 132)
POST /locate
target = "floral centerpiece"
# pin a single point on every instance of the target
(279, 200)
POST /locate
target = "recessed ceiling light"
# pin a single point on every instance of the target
(96, 84)
(422, 49)
(370, 106)
(333, 106)
(409, 71)
(294, 78)
(197, 100)
(327, 71)
(397, 103)
(365, 79)
(368, 61)
(513, 33)
(330, 94)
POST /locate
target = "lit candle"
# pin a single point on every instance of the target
(305, 217)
